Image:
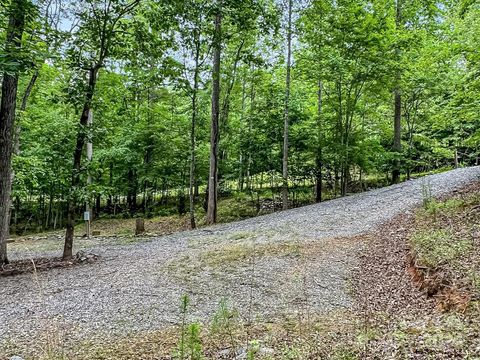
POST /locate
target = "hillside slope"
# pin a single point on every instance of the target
(268, 268)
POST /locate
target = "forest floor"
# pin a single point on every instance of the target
(326, 280)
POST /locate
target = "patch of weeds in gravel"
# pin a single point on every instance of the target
(8, 348)
(228, 256)
(238, 253)
(49, 344)
(128, 240)
(331, 336)
(239, 235)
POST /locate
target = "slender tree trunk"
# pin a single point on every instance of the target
(192, 165)
(132, 191)
(23, 108)
(88, 205)
(242, 120)
(397, 124)
(225, 108)
(77, 159)
(49, 212)
(287, 106)
(28, 90)
(192, 131)
(7, 119)
(98, 205)
(250, 130)
(16, 143)
(110, 182)
(214, 134)
(319, 159)
(148, 154)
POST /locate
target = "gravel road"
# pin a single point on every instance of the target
(277, 266)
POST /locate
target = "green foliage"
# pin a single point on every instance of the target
(435, 247)
(225, 319)
(190, 344)
(427, 199)
(225, 324)
(142, 106)
(194, 343)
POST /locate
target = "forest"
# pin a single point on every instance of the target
(239, 179)
(141, 108)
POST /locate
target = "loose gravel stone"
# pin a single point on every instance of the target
(287, 264)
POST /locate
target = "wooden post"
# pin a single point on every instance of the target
(139, 226)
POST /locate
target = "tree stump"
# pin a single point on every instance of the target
(139, 226)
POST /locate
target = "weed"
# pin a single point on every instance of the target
(426, 193)
(190, 345)
(183, 313)
(193, 342)
(237, 253)
(224, 323)
(239, 235)
(434, 247)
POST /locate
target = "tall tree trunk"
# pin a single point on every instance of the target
(192, 130)
(250, 132)
(241, 150)
(88, 205)
(110, 183)
(287, 106)
(148, 154)
(23, 108)
(319, 159)
(77, 159)
(214, 134)
(397, 124)
(16, 142)
(98, 205)
(7, 118)
(132, 192)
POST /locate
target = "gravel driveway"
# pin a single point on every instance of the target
(278, 266)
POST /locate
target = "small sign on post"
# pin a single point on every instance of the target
(86, 217)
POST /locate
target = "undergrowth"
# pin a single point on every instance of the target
(445, 246)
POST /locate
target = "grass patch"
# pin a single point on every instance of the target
(438, 246)
(445, 244)
(234, 254)
(228, 256)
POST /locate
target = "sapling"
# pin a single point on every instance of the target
(183, 311)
